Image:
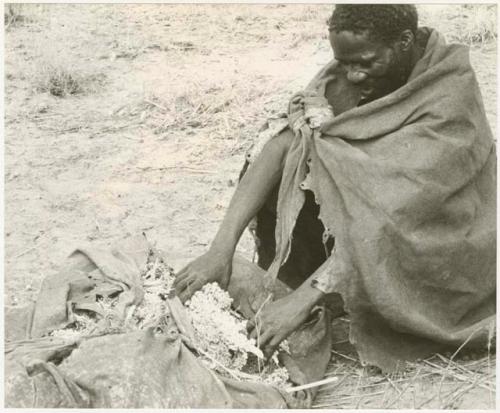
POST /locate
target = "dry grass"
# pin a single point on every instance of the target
(22, 14)
(13, 14)
(60, 75)
(471, 24)
(59, 81)
(212, 105)
(459, 380)
(480, 24)
(62, 82)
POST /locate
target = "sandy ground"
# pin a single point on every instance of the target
(73, 176)
(173, 97)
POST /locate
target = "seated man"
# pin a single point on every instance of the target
(379, 195)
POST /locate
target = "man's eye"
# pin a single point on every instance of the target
(363, 65)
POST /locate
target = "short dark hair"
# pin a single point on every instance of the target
(384, 22)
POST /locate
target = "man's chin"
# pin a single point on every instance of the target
(374, 94)
(367, 94)
(368, 97)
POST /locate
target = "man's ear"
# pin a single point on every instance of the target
(406, 40)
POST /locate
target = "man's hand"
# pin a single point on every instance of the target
(278, 319)
(210, 267)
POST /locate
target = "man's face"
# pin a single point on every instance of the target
(377, 68)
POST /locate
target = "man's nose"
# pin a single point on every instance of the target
(355, 76)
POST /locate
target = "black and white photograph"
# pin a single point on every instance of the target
(250, 206)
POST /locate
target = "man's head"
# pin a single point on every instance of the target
(376, 44)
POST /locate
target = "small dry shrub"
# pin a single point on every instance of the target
(62, 81)
(471, 24)
(59, 82)
(16, 14)
(13, 14)
(481, 23)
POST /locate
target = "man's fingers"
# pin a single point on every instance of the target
(180, 275)
(183, 296)
(250, 325)
(192, 285)
(195, 286)
(252, 333)
(276, 340)
(178, 278)
(184, 283)
(264, 338)
(186, 294)
(273, 344)
(254, 327)
(268, 351)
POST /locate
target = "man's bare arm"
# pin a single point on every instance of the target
(252, 192)
(249, 197)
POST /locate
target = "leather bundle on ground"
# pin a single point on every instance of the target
(219, 332)
(101, 335)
